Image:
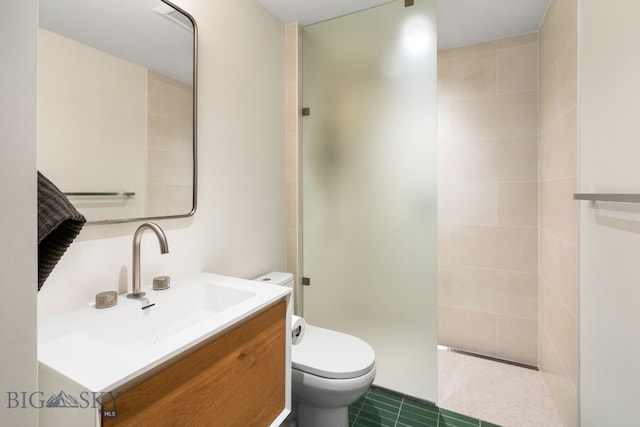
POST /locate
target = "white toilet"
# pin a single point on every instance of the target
(330, 371)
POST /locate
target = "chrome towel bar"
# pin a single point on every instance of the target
(608, 197)
(104, 194)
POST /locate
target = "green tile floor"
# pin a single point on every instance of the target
(381, 408)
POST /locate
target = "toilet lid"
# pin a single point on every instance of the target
(332, 354)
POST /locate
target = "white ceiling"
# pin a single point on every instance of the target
(114, 26)
(460, 22)
(127, 29)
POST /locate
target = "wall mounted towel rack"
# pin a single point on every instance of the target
(608, 197)
(101, 194)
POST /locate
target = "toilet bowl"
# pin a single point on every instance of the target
(330, 371)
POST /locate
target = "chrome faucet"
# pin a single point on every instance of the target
(137, 237)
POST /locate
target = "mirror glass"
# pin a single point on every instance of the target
(116, 107)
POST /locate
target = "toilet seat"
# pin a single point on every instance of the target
(332, 354)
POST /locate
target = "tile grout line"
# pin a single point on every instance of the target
(398, 414)
(360, 408)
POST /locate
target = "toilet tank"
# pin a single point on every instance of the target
(277, 278)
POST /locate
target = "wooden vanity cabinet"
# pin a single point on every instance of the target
(237, 379)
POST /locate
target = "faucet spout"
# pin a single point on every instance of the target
(137, 237)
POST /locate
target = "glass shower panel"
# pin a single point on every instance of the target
(369, 186)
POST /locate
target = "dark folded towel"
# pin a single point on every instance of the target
(58, 225)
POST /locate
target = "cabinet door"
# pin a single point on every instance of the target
(236, 380)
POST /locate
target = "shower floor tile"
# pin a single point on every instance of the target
(505, 395)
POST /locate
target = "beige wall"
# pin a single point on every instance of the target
(88, 127)
(239, 227)
(18, 220)
(487, 197)
(558, 211)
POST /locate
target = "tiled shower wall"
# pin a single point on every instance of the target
(488, 198)
(170, 146)
(292, 144)
(558, 210)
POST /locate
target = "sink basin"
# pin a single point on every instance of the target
(101, 349)
(166, 314)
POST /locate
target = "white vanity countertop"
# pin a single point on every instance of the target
(102, 349)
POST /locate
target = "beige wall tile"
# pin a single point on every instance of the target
(292, 96)
(466, 76)
(164, 92)
(292, 258)
(291, 64)
(505, 293)
(292, 108)
(468, 203)
(498, 116)
(163, 199)
(518, 68)
(568, 78)
(549, 98)
(519, 296)
(557, 32)
(561, 329)
(488, 46)
(487, 171)
(518, 339)
(291, 30)
(292, 204)
(558, 261)
(170, 167)
(291, 155)
(511, 159)
(443, 121)
(518, 204)
(563, 391)
(546, 58)
(170, 146)
(443, 244)
(160, 134)
(501, 159)
(291, 52)
(468, 330)
(558, 148)
(170, 114)
(504, 248)
(558, 209)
